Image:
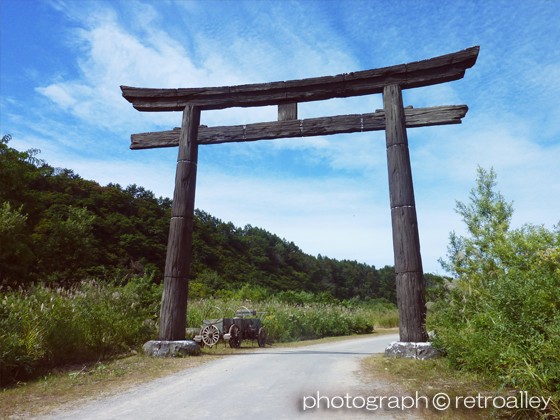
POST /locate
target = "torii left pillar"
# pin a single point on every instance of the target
(173, 314)
(406, 243)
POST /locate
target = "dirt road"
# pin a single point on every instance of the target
(271, 383)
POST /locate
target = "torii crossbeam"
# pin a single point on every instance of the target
(394, 119)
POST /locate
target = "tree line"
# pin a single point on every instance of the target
(59, 229)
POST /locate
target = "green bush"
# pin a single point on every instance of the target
(502, 316)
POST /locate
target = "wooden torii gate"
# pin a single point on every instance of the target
(394, 119)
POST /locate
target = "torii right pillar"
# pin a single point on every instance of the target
(411, 293)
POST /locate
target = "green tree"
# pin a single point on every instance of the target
(502, 315)
(487, 218)
(387, 284)
(15, 253)
(65, 243)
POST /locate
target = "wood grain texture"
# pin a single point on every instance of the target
(421, 117)
(412, 307)
(432, 71)
(406, 243)
(287, 112)
(173, 313)
(172, 321)
(401, 189)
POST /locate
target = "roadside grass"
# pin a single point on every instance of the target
(66, 386)
(431, 377)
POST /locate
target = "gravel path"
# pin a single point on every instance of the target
(270, 383)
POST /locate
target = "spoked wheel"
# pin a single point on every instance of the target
(210, 335)
(262, 337)
(234, 337)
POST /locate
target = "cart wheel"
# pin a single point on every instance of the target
(210, 335)
(235, 337)
(262, 337)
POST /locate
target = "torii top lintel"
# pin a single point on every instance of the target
(432, 71)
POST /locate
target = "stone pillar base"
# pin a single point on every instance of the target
(178, 348)
(410, 350)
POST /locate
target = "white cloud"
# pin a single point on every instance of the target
(113, 57)
(59, 94)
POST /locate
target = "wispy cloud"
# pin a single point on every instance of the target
(327, 194)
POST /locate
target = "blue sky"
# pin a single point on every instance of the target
(62, 62)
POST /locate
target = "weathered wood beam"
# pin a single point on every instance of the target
(435, 70)
(421, 117)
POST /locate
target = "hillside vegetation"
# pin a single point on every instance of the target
(59, 229)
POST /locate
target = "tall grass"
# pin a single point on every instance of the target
(43, 327)
(288, 322)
